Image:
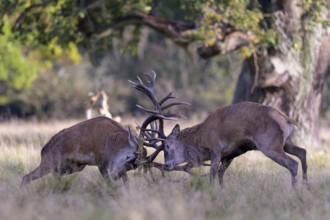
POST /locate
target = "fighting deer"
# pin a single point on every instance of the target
(232, 131)
(99, 142)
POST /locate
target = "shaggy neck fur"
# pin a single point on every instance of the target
(194, 154)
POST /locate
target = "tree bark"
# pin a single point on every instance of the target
(290, 78)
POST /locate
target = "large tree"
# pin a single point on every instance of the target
(286, 43)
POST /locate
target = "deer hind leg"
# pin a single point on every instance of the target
(284, 160)
(223, 167)
(39, 172)
(215, 165)
(290, 148)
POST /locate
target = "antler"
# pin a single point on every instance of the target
(148, 89)
(156, 117)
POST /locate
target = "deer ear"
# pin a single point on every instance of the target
(132, 139)
(175, 132)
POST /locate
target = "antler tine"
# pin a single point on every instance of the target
(148, 134)
(167, 116)
(173, 104)
(154, 139)
(154, 154)
(151, 144)
(148, 89)
(173, 116)
(136, 85)
(151, 137)
(151, 78)
(140, 86)
(147, 110)
(145, 124)
(158, 129)
(169, 96)
(141, 82)
(186, 168)
(154, 128)
(153, 125)
(151, 75)
(161, 128)
(149, 131)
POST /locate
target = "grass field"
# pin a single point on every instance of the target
(255, 187)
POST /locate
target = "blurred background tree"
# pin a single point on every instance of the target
(279, 47)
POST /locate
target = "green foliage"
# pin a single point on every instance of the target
(314, 10)
(29, 46)
(17, 71)
(184, 10)
(67, 24)
(230, 13)
(48, 27)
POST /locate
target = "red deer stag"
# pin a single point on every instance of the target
(99, 142)
(232, 131)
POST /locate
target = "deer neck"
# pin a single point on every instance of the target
(193, 155)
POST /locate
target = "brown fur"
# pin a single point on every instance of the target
(96, 142)
(232, 131)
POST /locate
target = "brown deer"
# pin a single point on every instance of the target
(99, 142)
(232, 131)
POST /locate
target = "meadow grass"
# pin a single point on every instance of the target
(255, 187)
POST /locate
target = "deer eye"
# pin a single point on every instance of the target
(129, 157)
(167, 147)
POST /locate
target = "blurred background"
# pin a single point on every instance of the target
(53, 55)
(62, 92)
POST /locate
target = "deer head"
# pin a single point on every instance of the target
(124, 159)
(173, 149)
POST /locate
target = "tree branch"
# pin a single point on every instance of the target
(178, 31)
(231, 42)
(20, 19)
(171, 29)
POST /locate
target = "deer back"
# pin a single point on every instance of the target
(101, 136)
(238, 122)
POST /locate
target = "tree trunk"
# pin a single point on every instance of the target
(291, 77)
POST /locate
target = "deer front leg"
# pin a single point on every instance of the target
(223, 167)
(104, 172)
(215, 164)
(124, 177)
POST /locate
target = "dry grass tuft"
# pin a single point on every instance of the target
(255, 187)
